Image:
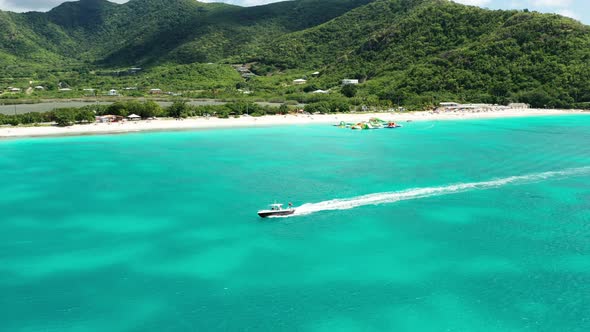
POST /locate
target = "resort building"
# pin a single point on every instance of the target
(452, 106)
(39, 87)
(89, 92)
(320, 91)
(155, 91)
(299, 81)
(519, 106)
(483, 107)
(348, 81)
(113, 92)
(109, 118)
(14, 90)
(449, 104)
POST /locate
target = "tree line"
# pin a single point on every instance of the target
(147, 109)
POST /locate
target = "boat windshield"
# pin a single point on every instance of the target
(276, 206)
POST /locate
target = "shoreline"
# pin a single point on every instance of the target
(265, 121)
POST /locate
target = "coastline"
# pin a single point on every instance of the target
(269, 120)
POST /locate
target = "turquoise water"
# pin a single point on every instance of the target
(438, 226)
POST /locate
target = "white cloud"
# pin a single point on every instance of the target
(552, 3)
(568, 13)
(473, 2)
(516, 4)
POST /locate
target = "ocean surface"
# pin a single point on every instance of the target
(474, 225)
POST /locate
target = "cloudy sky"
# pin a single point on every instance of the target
(578, 9)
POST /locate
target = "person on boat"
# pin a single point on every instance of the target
(290, 205)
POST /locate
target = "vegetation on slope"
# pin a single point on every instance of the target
(423, 52)
(406, 52)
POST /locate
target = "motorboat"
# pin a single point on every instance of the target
(392, 125)
(276, 210)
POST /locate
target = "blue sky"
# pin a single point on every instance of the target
(578, 9)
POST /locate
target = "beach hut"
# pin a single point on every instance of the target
(106, 118)
(449, 104)
(134, 117)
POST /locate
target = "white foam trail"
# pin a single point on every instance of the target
(391, 197)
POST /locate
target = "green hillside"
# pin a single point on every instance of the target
(407, 52)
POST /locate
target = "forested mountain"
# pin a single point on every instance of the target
(141, 31)
(442, 50)
(402, 51)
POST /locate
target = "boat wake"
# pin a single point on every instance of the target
(416, 193)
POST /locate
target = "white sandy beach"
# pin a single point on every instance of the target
(271, 120)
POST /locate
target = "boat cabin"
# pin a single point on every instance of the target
(276, 207)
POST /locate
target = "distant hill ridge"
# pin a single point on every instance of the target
(142, 31)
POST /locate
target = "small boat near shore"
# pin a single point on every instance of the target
(276, 210)
(392, 125)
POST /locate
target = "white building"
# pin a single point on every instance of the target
(519, 106)
(451, 106)
(112, 92)
(299, 81)
(349, 81)
(134, 117)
